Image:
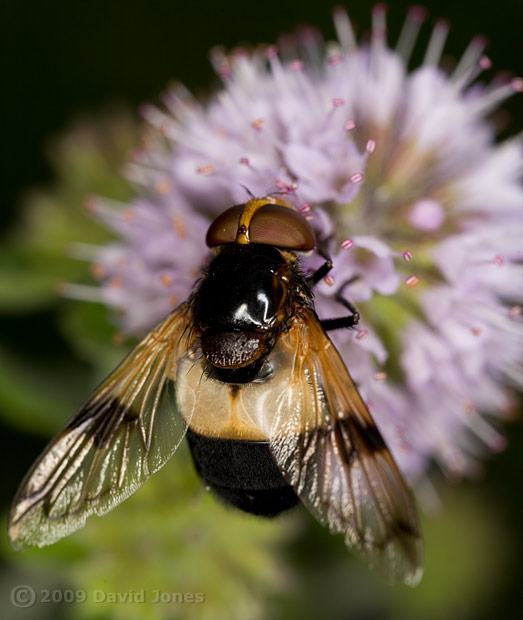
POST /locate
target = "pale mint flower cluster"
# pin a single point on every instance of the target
(399, 172)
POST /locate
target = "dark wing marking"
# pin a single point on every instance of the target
(337, 461)
(127, 430)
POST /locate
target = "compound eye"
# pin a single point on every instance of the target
(270, 224)
(225, 227)
(282, 227)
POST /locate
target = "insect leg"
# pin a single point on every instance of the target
(344, 321)
(320, 273)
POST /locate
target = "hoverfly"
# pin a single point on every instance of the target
(244, 368)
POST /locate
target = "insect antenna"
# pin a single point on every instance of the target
(249, 193)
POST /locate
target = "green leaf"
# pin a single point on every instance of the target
(40, 395)
(87, 328)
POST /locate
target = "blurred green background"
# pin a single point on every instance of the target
(73, 75)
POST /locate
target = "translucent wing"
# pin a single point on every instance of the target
(329, 449)
(127, 430)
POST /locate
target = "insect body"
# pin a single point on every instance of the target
(246, 370)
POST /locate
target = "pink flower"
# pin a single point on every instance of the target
(400, 171)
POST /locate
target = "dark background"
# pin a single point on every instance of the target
(62, 57)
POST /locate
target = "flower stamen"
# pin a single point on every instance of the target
(409, 33)
(361, 334)
(205, 170)
(411, 281)
(436, 44)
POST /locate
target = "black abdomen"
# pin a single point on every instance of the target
(243, 473)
